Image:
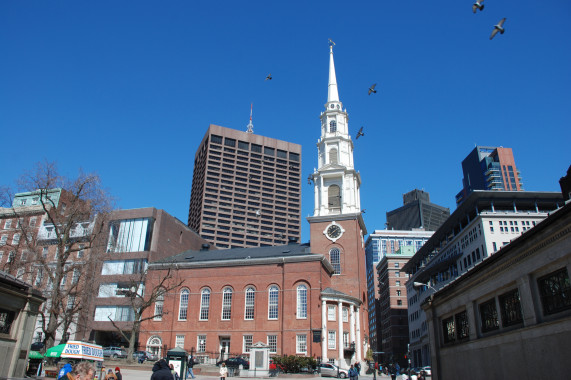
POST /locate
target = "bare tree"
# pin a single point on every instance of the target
(56, 238)
(142, 298)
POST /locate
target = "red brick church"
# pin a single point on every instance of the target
(300, 299)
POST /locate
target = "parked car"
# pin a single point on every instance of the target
(37, 346)
(427, 371)
(235, 362)
(332, 370)
(114, 352)
(145, 355)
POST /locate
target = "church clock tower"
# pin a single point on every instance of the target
(337, 230)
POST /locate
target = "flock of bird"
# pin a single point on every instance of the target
(499, 27)
(477, 6)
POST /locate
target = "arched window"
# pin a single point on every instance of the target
(273, 299)
(333, 156)
(204, 304)
(159, 302)
(334, 197)
(333, 126)
(302, 301)
(250, 303)
(183, 304)
(154, 345)
(335, 259)
(226, 304)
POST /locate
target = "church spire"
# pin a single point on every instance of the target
(250, 126)
(332, 93)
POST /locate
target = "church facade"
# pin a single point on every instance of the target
(300, 299)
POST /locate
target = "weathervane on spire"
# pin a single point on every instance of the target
(331, 43)
(250, 125)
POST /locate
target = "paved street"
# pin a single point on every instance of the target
(145, 374)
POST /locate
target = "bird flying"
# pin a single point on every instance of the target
(372, 89)
(499, 27)
(478, 5)
(360, 133)
(269, 77)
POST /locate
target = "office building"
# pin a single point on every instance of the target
(133, 238)
(509, 317)
(246, 189)
(489, 168)
(379, 244)
(484, 223)
(417, 212)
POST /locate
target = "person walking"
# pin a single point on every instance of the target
(393, 372)
(189, 366)
(353, 373)
(223, 371)
(118, 374)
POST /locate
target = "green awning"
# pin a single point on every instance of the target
(55, 352)
(35, 355)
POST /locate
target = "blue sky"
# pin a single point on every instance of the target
(127, 89)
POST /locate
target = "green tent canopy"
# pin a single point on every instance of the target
(35, 355)
(55, 352)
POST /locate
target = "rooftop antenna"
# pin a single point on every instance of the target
(250, 125)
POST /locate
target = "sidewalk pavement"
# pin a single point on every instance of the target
(144, 374)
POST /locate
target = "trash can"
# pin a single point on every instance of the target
(178, 358)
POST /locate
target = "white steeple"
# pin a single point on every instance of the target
(332, 93)
(250, 126)
(336, 183)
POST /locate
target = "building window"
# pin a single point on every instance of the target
(510, 307)
(131, 235)
(247, 343)
(204, 304)
(331, 340)
(345, 339)
(345, 314)
(273, 343)
(332, 126)
(16, 239)
(301, 344)
(159, 302)
(183, 305)
(179, 342)
(489, 316)
(399, 302)
(335, 259)
(333, 156)
(449, 330)
(555, 292)
(273, 302)
(462, 331)
(80, 251)
(397, 283)
(250, 302)
(154, 345)
(330, 312)
(8, 224)
(302, 302)
(226, 304)
(334, 197)
(6, 319)
(397, 273)
(201, 343)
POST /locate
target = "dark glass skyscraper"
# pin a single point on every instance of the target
(417, 212)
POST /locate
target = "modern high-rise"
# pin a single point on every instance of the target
(379, 245)
(489, 168)
(417, 212)
(246, 189)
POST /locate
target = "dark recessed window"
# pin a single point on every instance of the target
(489, 316)
(294, 156)
(6, 319)
(510, 307)
(229, 142)
(449, 330)
(269, 151)
(216, 139)
(462, 330)
(243, 145)
(555, 291)
(256, 148)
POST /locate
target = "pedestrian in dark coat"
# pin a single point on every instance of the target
(161, 371)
